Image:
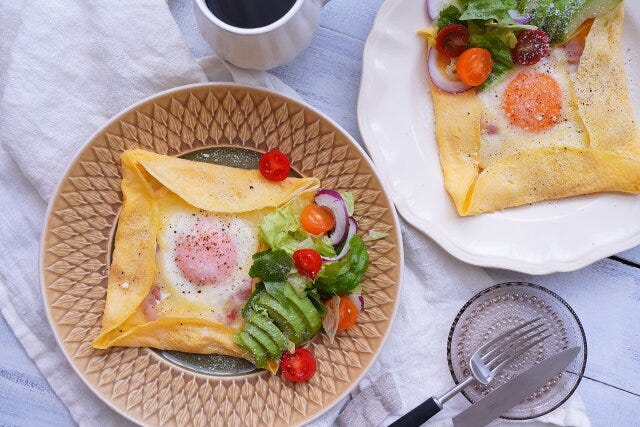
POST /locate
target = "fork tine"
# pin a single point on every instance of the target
(490, 343)
(519, 353)
(514, 346)
(509, 341)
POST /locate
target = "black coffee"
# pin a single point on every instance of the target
(249, 13)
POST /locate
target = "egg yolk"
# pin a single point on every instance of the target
(206, 254)
(533, 101)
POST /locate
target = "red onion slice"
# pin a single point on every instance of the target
(353, 227)
(433, 8)
(520, 18)
(333, 201)
(358, 300)
(440, 79)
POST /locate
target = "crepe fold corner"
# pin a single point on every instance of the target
(146, 177)
(610, 162)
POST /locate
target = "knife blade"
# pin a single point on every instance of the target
(515, 391)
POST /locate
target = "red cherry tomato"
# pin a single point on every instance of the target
(348, 313)
(299, 366)
(532, 45)
(308, 262)
(452, 40)
(317, 219)
(274, 165)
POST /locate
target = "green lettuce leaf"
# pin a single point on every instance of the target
(449, 15)
(484, 10)
(340, 277)
(347, 196)
(271, 265)
(281, 229)
(496, 41)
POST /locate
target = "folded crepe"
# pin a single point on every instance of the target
(595, 148)
(179, 274)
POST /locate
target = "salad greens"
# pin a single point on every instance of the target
(282, 232)
(271, 265)
(449, 15)
(281, 229)
(497, 41)
(484, 10)
(341, 277)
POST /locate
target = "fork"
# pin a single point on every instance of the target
(485, 363)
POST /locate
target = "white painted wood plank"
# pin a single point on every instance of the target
(632, 255)
(619, 408)
(605, 296)
(327, 76)
(351, 17)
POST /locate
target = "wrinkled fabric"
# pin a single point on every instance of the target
(65, 68)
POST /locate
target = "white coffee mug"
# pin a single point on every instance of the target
(265, 47)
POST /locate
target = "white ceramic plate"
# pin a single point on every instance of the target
(395, 115)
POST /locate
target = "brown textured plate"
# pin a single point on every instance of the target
(151, 387)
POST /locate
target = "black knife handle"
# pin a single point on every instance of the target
(419, 414)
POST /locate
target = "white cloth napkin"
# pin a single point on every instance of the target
(65, 68)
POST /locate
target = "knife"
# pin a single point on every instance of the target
(514, 391)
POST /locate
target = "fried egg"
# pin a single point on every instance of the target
(202, 263)
(533, 107)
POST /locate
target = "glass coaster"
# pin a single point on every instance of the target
(500, 308)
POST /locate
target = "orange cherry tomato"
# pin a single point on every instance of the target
(317, 219)
(348, 313)
(299, 366)
(474, 66)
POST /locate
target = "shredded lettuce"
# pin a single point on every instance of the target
(280, 229)
(347, 196)
(299, 283)
(375, 235)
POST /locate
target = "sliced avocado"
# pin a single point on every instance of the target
(306, 308)
(269, 328)
(287, 319)
(264, 340)
(254, 348)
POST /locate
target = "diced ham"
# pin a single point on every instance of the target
(150, 303)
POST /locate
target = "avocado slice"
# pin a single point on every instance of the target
(286, 295)
(306, 308)
(269, 328)
(254, 348)
(287, 319)
(265, 340)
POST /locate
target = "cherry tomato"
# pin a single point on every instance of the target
(299, 366)
(274, 165)
(532, 45)
(308, 262)
(474, 66)
(348, 313)
(452, 40)
(317, 219)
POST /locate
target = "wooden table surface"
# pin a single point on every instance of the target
(605, 295)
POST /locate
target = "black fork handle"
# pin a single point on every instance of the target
(419, 415)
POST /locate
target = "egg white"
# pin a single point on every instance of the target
(213, 301)
(499, 138)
